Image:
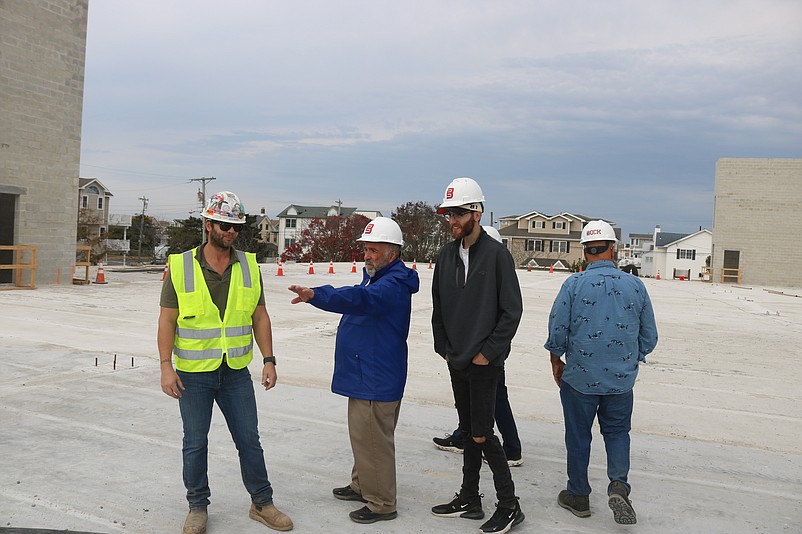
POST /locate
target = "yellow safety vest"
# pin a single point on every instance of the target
(201, 338)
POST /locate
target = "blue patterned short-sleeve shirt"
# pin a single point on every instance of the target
(603, 322)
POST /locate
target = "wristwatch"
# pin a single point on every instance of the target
(269, 359)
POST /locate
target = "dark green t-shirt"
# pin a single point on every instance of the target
(218, 285)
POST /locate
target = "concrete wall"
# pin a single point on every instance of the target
(42, 55)
(757, 212)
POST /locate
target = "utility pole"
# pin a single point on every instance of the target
(203, 181)
(339, 206)
(141, 226)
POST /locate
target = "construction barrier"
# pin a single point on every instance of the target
(19, 265)
(86, 250)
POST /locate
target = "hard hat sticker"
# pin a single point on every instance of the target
(369, 228)
(450, 193)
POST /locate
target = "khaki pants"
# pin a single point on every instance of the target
(371, 427)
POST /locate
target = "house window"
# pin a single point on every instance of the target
(505, 242)
(290, 223)
(84, 201)
(535, 245)
(92, 190)
(288, 242)
(559, 246)
(102, 231)
(100, 203)
(558, 225)
(538, 224)
(636, 242)
(686, 254)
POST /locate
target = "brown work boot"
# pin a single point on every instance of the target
(271, 516)
(195, 522)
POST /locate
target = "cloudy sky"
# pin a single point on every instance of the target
(615, 109)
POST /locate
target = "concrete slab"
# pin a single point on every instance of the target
(96, 448)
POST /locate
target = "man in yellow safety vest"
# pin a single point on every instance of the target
(212, 309)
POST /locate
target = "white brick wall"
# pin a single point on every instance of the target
(42, 54)
(757, 210)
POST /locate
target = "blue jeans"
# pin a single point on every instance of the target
(615, 421)
(233, 391)
(475, 397)
(505, 421)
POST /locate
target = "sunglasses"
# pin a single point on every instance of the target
(225, 227)
(456, 213)
(596, 249)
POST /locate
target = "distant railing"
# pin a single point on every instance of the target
(727, 276)
(19, 266)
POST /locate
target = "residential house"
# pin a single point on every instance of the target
(93, 209)
(294, 219)
(631, 252)
(267, 230)
(545, 241)
(678, 255)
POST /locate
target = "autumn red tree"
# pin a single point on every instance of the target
(333, 238)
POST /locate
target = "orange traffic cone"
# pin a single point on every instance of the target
(430, 264)
(415, 264)
(551, 268)
(311, 267)
(101, 277)
(280, 271)
(580, 268)
(529, 267)
(331, 267)
(353, 267)
(166, 268)
(658, 275)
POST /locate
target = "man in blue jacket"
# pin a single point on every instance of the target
(603, 322)
(370, 364)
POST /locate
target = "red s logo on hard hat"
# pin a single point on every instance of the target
(369, 228)
(450, 193)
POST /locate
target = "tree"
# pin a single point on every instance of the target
(333, 238)
(425, 232)
(89, 222)
(149, 236)
(188, 233)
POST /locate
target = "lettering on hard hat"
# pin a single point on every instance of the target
(369, 228)
(449, 193)
(594, 232)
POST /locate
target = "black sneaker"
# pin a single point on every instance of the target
(448, 443)
(470, 508)
(504, 519)
(366, 515)
(619, 503)
(579, 505)
(347, 494)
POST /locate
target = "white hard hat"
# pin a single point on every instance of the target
(492, 232)
(598, 231)
(225, 207)
(383, 230)
(462, 193)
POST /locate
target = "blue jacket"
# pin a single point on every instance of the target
(370, 358)
(603, 321)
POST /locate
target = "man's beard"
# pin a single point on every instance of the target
(218, 241)
(383, 262)
(464, 229)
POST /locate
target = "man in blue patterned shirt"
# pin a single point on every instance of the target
(603, 322)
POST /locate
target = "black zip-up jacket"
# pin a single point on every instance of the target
(480, 314)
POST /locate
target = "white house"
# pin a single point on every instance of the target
(678, 255)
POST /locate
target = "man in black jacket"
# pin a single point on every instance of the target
(477, 307)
